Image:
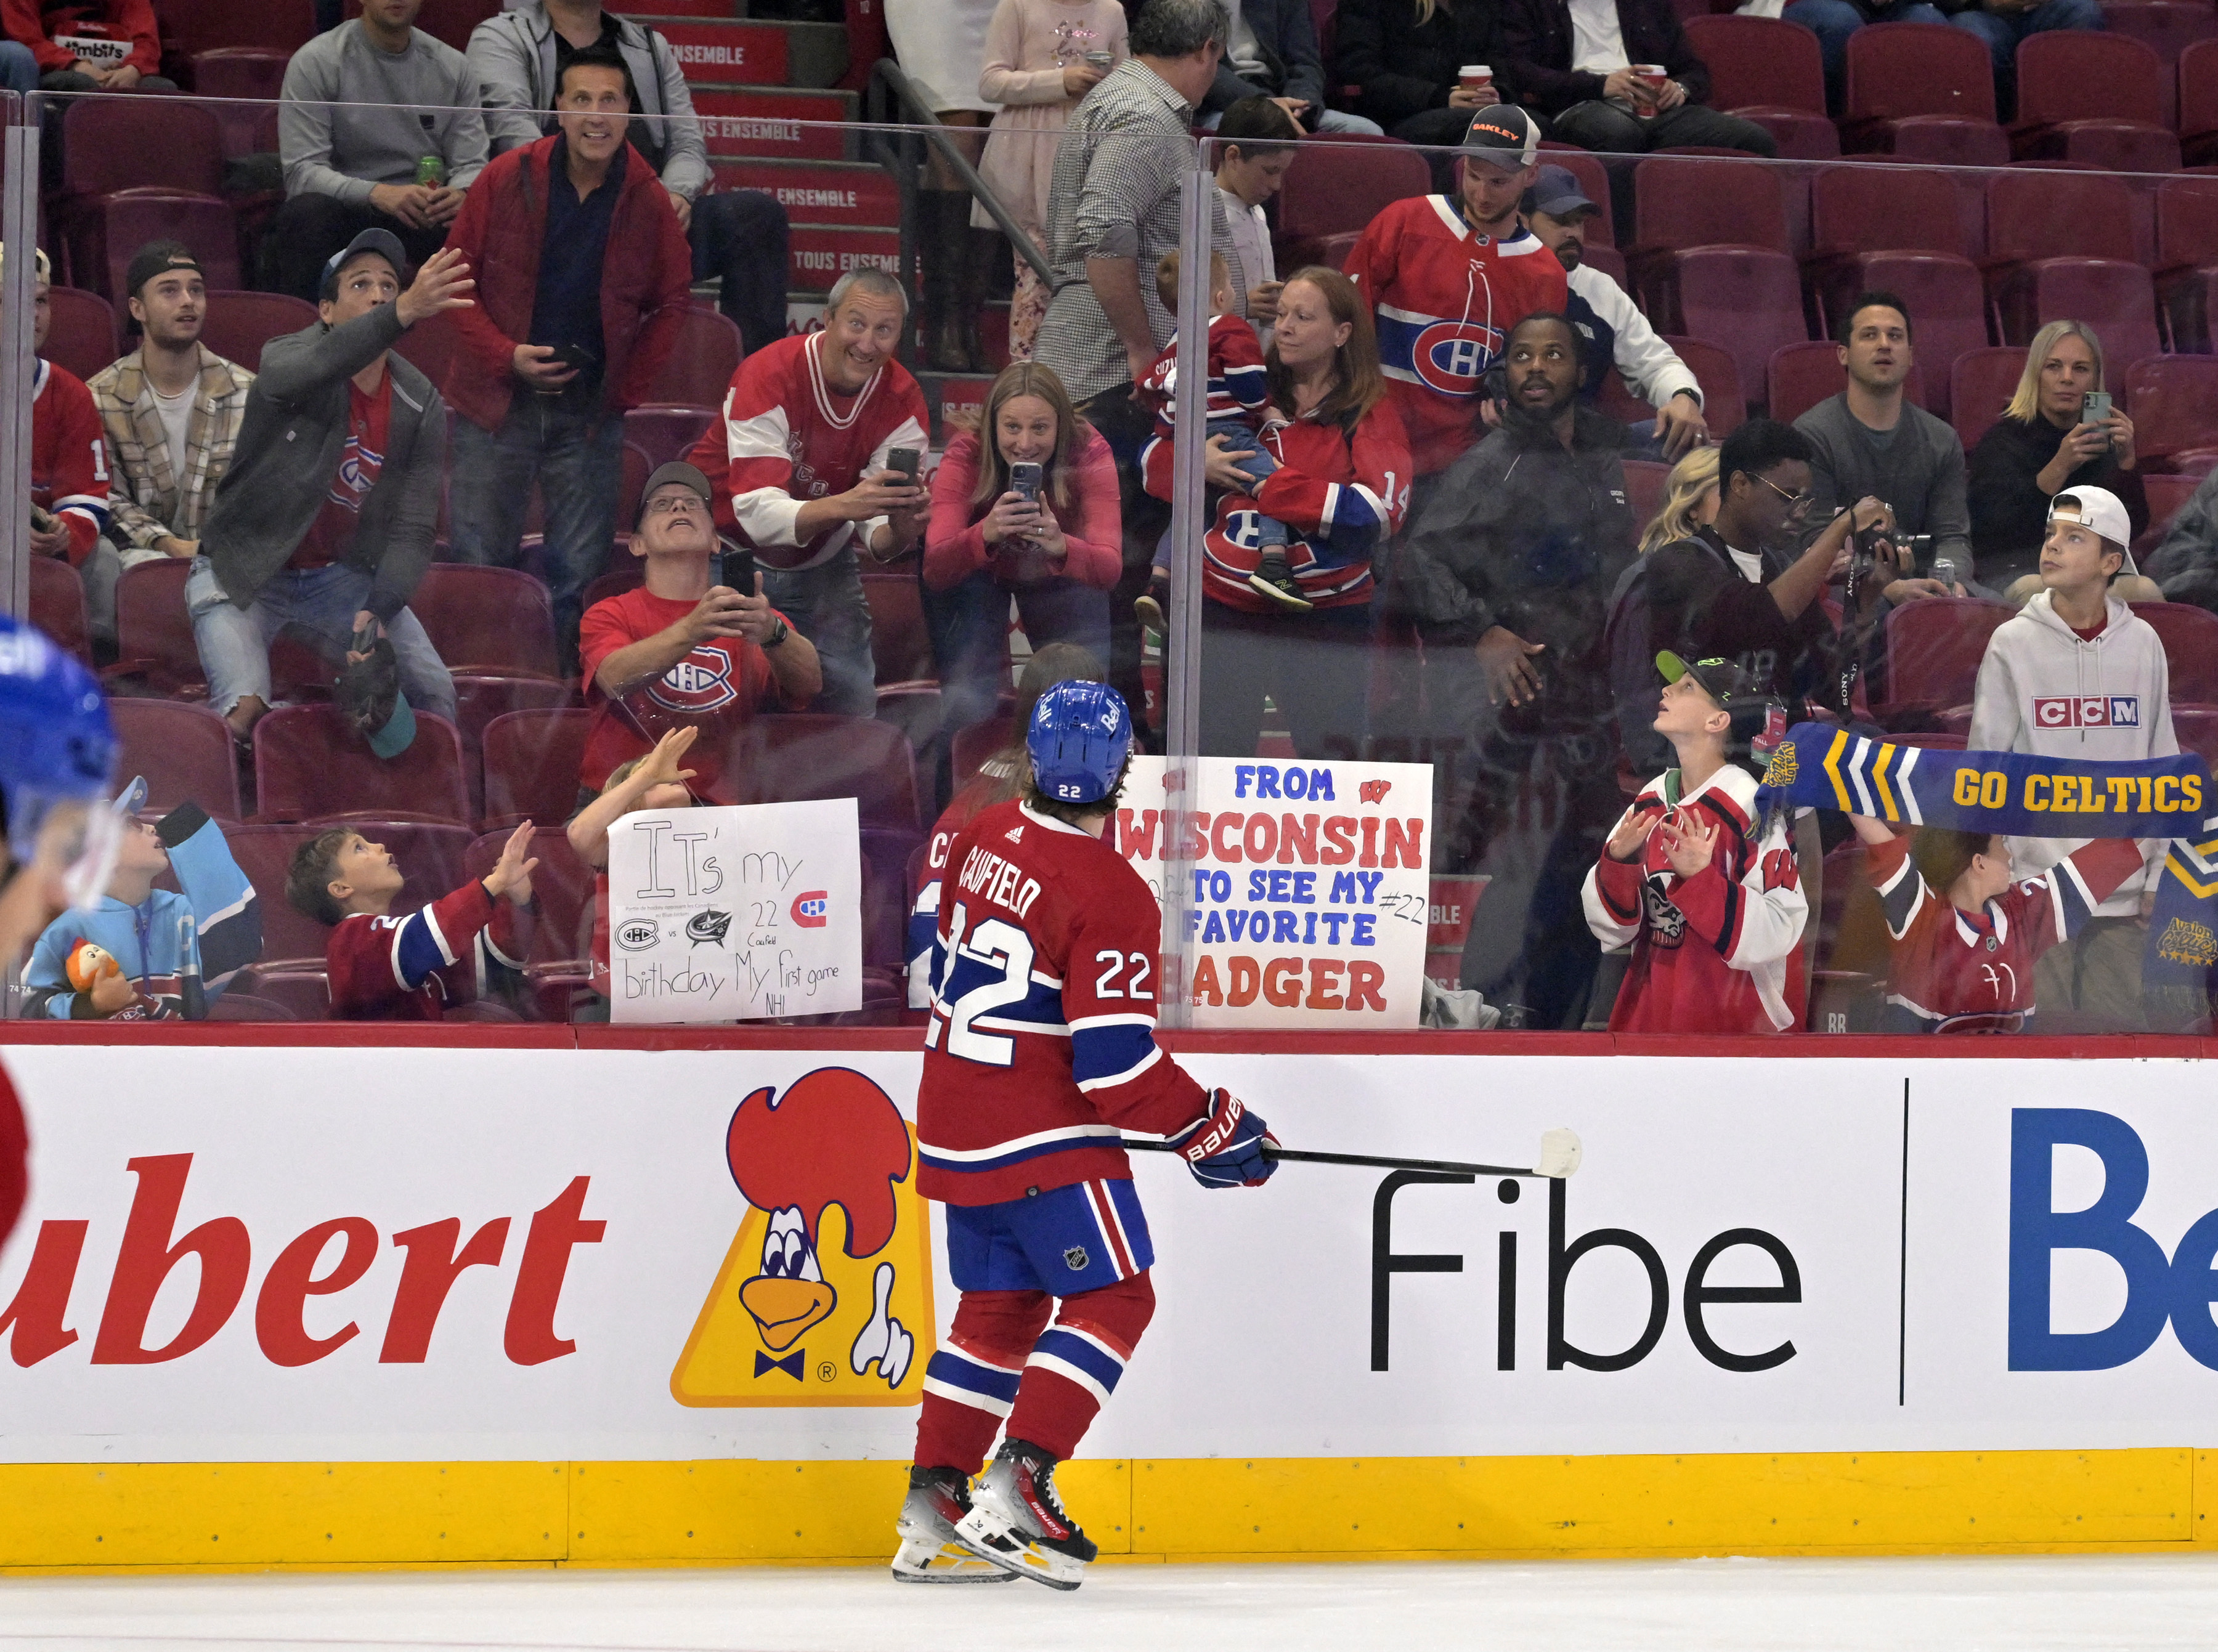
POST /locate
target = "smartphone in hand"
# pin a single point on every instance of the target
(908, 461)
(2094, 409)
(1026, 478)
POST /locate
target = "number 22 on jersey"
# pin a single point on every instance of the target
(991, 970)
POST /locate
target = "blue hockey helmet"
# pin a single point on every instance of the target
(57, 752)
(1080, 736)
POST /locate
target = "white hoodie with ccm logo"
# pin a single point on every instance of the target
(2042, 689)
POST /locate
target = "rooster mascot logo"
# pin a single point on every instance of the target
(825, 1297)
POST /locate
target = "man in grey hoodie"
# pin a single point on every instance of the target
(2078, 674)
(323, 520)
(739, 235)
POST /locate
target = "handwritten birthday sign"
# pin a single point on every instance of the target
(742, 913)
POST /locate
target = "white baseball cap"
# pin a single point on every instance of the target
(2100, 510)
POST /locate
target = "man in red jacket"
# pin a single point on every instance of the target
(85, 46)
(583, 275)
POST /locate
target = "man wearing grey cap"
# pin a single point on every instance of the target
(1612, 330)
(324, 522)
(685, 649)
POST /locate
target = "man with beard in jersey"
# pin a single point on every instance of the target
(57, 836)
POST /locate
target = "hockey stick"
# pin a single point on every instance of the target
(1560, 1154)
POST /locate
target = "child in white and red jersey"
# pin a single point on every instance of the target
(1966, 936)
(410, 968)
(1040, 1053)
(1707, 894)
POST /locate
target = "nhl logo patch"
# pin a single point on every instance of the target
(1076, 1259)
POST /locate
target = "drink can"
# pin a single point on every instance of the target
(1102, 60)
(1475, 77)
(432, 170)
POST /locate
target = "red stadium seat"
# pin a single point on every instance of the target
(2098, 97)
(665, 433)
(2063, 243)
(58, 604)
(1748, 301)
(248, 79)
(488, 619)
(898, 641)
(2195, 727)
(532, 760)
(2187, 258)
(2058, 214)
(1934, 648)
(184, 751)
(431, 858)
(2165, 494)
(2167, 27)
(1646, 483)
(154, 636)
(1869, 208)
(1336, 186)
(310, 766)
(112, 144)
(107, 229)
(239, 324)
(1687, 201)
(206, 25)
(81, 337)
(2190, 648)
(2115, 298)
(2174, 403)
(480, 696)
(805, 755)
(1769, 71)
(1714, 369)
(1980, 384)
(1925, 87)
(700, 366)
(563, 888)
(2198, 103)
(1802, 375)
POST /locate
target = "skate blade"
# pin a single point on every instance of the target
(946, 1562)
(990, 1537)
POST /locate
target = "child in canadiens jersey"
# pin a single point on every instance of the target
(1238, 409)
(1707, 894)
(1966, 936)
(409, 968)
(1041, 1050)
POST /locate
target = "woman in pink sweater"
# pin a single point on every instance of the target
(987, 542)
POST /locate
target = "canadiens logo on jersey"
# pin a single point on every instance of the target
(825, 1297)
(702, 681)
(2087, 711)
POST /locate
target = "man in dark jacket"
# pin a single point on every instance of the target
(1571, 60)
(324, 519)
(1508, 572)
(1272, 52)
(1406, 67)
(585, 284)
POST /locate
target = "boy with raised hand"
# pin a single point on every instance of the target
(652, 782)
(409, 968)
(2077, 674)
(172, 953)
(1967, 937)
(1705, 892)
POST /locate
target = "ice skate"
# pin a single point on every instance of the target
(1017, 1521)
(930, 1553)
(1273, 579)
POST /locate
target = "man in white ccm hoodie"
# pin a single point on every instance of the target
(2077, 674)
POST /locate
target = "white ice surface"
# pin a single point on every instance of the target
(1749, 1605)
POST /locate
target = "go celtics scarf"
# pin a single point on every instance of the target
(2015, 793)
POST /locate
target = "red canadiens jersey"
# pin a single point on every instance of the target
(984, 789)
(1239, 384)
(410, 966)
(1042, 1044)
(1338, 494)
(1954, 971)
(1718, 952)
(69, 456)
(1445, 300)
(786, 437)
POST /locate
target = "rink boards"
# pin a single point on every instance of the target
(482, 1295)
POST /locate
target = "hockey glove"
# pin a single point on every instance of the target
(1225, 1149)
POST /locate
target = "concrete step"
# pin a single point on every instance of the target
(819, 192)
(721, 49)
(774, 122)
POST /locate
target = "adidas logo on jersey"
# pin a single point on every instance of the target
(1015, 834)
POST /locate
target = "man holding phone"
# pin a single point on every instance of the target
(819, 452)
(583, 284)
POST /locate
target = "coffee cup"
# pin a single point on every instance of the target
(1651, 77)
(1475, 77)
(1102, 60)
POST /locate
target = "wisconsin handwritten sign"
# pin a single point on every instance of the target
(735, 914)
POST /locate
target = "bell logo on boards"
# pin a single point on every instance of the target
(825, 1297)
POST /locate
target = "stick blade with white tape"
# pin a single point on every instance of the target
(1560, 1153)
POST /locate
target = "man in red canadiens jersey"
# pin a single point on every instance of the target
(801, 465)
(1708, 895)
(1041, 1050)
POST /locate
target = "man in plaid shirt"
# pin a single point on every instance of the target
(171, 411)
(1113, 213)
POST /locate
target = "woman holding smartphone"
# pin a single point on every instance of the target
(2048, 441)
(1024, 506)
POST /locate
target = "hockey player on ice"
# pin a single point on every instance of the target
(57, 836)
(1041, 1050)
